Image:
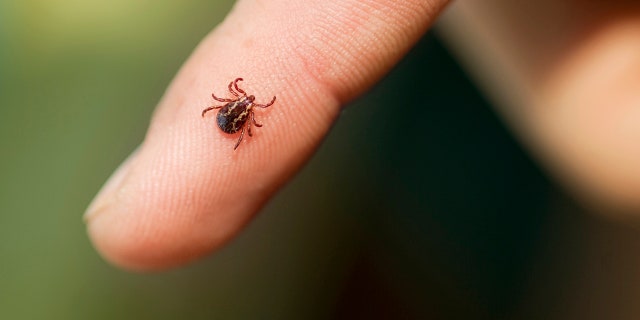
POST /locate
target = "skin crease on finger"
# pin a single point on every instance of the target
(186, 191)
(566, 76)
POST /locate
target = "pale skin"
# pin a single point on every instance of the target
(149, 218)
(566, 77)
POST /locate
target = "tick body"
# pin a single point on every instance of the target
(237, 113)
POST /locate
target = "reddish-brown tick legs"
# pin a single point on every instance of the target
(235, 84)
(210, 108)
(265, 105)
(222, 99)
(253, 119)
(240, 139)
(236, 112)
(231, 89)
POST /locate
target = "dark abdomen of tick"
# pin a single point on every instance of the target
(233, 115)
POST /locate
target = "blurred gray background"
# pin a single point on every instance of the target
(444, 217)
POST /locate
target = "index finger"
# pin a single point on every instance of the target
(177, 199)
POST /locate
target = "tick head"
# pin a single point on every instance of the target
(251, 98)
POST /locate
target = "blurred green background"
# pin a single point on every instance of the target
(442, 218)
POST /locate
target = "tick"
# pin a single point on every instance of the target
(237, 114)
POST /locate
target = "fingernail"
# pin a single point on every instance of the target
(106, 194)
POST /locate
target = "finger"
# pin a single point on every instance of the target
(186, 191)
(567, 77)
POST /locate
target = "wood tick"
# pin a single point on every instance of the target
(237, 113)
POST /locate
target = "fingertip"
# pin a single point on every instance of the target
(150, 218)
(140, 246)
(191, 189)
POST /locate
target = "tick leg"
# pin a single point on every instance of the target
(240, 139)
(235, 84)
(222, 99)
(265, 105)
(209, 109)
(253, 119)
(231, 88)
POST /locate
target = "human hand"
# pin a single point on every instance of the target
(566, 77)
(567, 82)
(185, 191)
